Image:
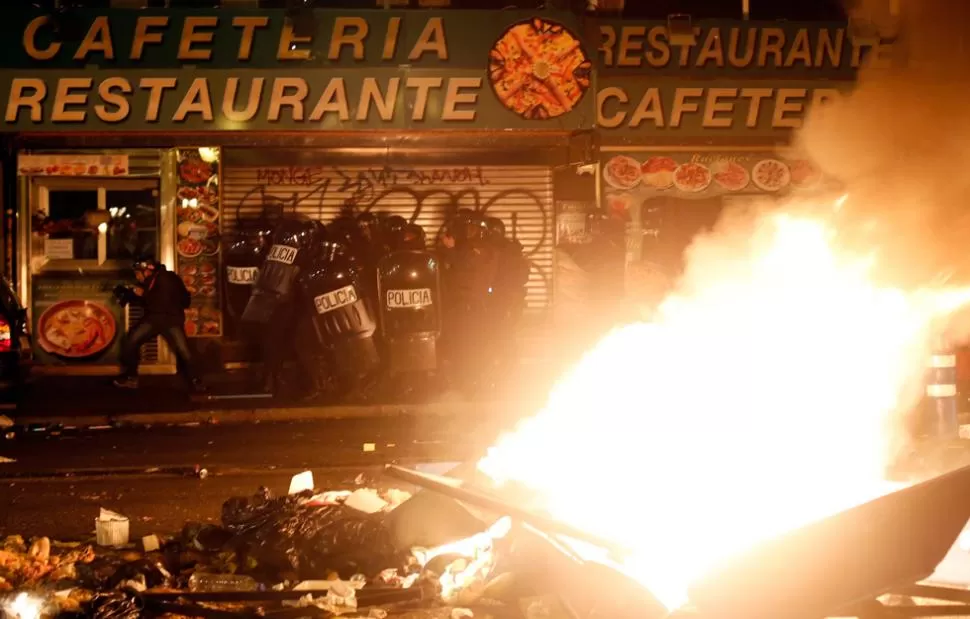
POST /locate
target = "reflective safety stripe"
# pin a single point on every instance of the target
(943, 361)
(941, 391)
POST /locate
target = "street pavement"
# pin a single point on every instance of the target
(55, 484)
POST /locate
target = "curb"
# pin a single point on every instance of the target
(258, 415)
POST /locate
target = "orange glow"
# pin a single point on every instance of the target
(765, 394)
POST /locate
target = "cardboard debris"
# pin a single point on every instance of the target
(150, 543)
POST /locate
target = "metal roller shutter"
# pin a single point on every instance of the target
(521, 196)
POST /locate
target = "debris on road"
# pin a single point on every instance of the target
(311, 553)
(111, 529)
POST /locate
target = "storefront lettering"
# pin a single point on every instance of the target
(197, 38)
(290, 99)
(335, 299)
(711, 108)
(641, 46)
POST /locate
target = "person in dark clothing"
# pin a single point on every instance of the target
(165, 299)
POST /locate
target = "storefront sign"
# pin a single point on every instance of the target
(376, 70)
(630, 108)
(740, 49)
(72, 165)
(77, 321)
(630, 178)
(198, 230)
(571, 222)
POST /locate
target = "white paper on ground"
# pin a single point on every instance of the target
(366, 500)
(301, 482)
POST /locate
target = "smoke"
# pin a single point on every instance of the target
(900, 143)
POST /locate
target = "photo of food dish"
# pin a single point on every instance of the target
(538, 69)
(210, 246)
(658, 172)
(692, 177)
(203, 213)
(730, 175)
(76, 329)
(194, 171)
(771, 175)
(622, 172)
(804, 174)
(189, 247)
(204, 195)
(618, 205)
(198, 280)
(188, 229)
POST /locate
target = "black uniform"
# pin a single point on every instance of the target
(165, 300)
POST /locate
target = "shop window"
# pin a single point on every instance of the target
(69, 213)
(94, 223)
(133, 227)
(668, 225)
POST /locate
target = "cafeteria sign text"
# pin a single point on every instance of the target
(382, 70)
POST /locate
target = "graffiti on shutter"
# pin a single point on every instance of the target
(520, 196)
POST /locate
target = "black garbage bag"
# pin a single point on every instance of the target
(115, 605)
(292, 534)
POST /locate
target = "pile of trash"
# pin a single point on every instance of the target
(305, 554)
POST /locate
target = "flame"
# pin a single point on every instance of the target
(477, 549)
(24, 606)
(765, 394)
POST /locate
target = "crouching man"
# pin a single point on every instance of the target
(165, 298)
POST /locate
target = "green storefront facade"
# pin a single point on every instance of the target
(195, 123)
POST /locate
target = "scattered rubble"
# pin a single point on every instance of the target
(308, 553)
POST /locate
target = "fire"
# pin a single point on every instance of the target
(477, 565)
(764, 394)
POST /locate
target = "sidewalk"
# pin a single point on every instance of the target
(162, 400)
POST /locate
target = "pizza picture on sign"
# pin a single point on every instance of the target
(731, 175)
(658, 172)
(692, 177)
(804, 174)
(538, 69)
(771, 175)
(622, 172)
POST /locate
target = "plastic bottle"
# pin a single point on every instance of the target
(221, 582)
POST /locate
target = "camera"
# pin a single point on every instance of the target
(123, 294)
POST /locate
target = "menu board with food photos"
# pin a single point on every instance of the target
(76, 320)
(197, 232)
(629, 179)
